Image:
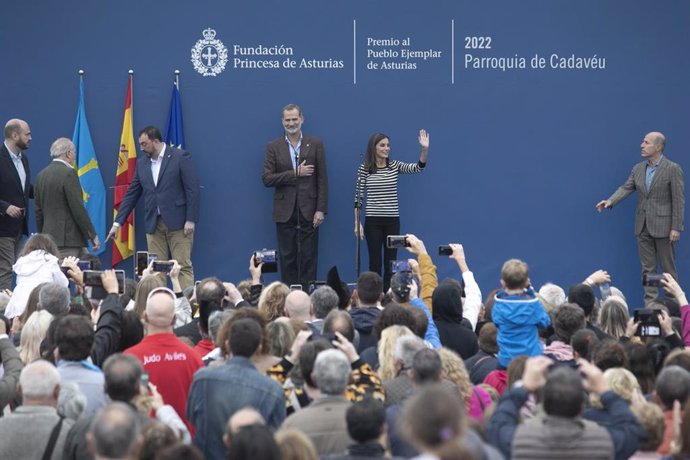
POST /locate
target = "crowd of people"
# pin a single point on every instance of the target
(426, 369)
(401, 366)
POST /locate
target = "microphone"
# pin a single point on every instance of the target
(297, 162)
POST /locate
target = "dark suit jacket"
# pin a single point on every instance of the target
(176, 195)
(278, 173)
(59, 206)
(11, 193)
(662, 207)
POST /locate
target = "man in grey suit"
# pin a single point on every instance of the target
(660, 207)
(59, 206)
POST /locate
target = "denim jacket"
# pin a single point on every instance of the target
(219, 392)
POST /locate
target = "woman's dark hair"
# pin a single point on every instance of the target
(253, 441)
(31, 304)
(132, 331)
(242, 313)
(658, 350)
(392, 315)
(156, 437)
(610, 354)
(432, 420)
(40, 241)
(641, 365)
(370, 156)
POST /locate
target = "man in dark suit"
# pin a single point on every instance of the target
(15, 192)
(59, 204)
(660, 207)
(296, 166)
(167, 178)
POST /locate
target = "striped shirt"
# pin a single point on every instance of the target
(382, 187)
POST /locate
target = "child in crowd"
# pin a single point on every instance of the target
(517, 314)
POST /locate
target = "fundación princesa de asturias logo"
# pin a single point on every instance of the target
(209, 55)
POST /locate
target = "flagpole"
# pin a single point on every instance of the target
(131, 107)
(177, 79)
(131, 80)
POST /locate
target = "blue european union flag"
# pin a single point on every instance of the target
(90, 178)
(174, 134)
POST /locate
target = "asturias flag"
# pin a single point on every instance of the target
(93, 188)
(174, 134)
(123, 246)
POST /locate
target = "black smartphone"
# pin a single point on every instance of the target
(397, 241)
(163, 266)
(652, 279)
(141, 262)
(120, 276)
(269, 259)
(145, 380)
(92, 278)
(445, 250)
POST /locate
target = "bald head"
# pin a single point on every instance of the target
(17, 135)
(659, 139)
(652, 146)
(243, 417)
(160, 310)
(298, 306)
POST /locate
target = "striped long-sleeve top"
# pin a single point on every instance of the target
(382, 187)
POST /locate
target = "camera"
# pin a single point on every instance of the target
(652, 279)
(445, 250)
(163, 266)
(268, 257)
(295, 287)
(648, 320)
(397, 241)
(400, 266)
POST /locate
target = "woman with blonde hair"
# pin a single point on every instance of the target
(295, 445)
(33, 333)
(613, 316)
(386, 350)
(272, 300)
(476, 399)
(622, 382)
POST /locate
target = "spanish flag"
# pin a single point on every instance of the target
(126, 163)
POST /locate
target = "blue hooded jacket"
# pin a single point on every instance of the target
(517, 318)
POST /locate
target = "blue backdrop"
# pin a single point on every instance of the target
(518, 157)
